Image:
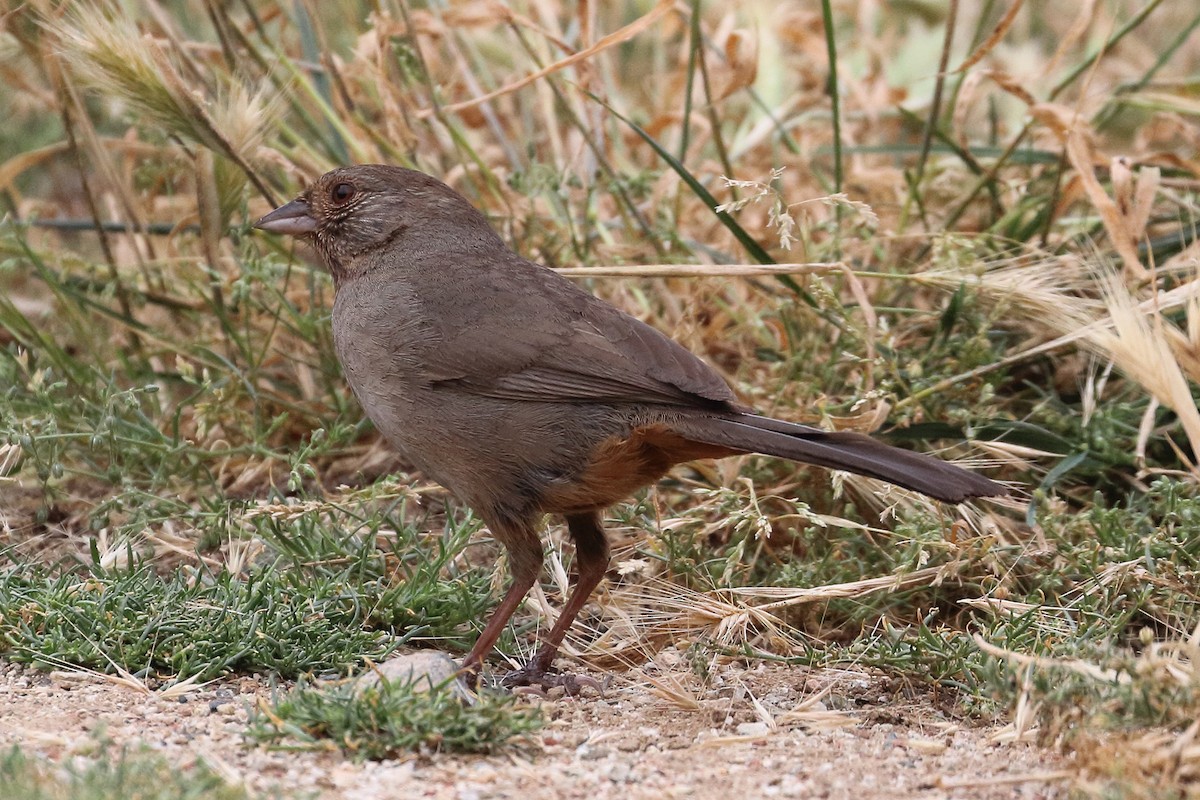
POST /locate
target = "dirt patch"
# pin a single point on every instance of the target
(757, 731)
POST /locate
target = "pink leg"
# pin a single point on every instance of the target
(525, 561)
(591, 559)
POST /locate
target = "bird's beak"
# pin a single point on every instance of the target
(292, 219)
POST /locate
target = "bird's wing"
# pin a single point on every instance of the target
(531, 334)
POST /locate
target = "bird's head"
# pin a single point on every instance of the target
(352, 215)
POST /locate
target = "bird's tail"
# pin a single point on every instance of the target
(853, 452)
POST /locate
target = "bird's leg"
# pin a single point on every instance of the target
(591, 560)
(525, 562)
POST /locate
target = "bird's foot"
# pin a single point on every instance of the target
(532, 679)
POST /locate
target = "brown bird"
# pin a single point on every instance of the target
(525, 395)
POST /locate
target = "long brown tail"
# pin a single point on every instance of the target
(853, 452)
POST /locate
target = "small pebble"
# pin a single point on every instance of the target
(591, 752)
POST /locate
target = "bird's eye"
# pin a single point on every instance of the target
(341, 193)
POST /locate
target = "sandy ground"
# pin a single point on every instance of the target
(758, 732)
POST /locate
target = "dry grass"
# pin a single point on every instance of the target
(1023, 270)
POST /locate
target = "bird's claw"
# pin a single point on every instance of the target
(531, 680)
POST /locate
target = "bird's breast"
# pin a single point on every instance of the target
(380, 336)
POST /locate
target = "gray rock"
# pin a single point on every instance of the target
(423, 669)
